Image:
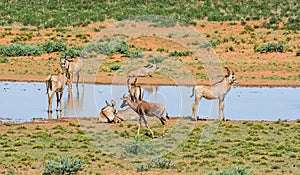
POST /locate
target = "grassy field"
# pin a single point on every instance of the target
(57, 13)
(255, 147)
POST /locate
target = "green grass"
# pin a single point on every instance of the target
(76, 13)
(257, 147)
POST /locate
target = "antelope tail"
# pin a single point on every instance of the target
(193, 92)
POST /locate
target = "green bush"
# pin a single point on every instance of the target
(58, 46)
(271, 47)
(114, 67)
(21, 49)
(64, 165)
(3, 59)
(234, 171)
(175, 53)
(161, 163)
(73, 52)
(155, 60)
(298, 53)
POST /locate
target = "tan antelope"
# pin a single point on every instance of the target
(109, 112)
(136, 92)
(71, 67)
(55, 84)
(216, 91)
(144, 109)
(143, 71)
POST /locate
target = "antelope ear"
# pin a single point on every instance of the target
(113, 103)
(228, 71)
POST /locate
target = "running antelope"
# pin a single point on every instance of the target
(71, 67)
(215, 91)
(55, 84)
(136, 92)
(144, 109)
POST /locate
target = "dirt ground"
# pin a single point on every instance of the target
(235, 50)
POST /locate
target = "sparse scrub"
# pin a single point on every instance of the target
(271, 47)
(64, 165)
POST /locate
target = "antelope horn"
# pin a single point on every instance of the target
(107, 103)
(228, 71)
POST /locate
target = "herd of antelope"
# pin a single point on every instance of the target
(56, 84)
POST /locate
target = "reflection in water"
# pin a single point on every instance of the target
(151, 89)
(23, 101)
(74, 104)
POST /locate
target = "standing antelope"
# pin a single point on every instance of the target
(55, 84)
(215, 91)
(71, 67)
(143, 109)
(136, 92)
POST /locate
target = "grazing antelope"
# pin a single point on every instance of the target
(71, 67)
(144, 109)
(109, 112)
(143, 71)
(55, 84)
(136, 92)
(215, 91)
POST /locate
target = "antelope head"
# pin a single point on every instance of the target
(230, 77)
(125, 101)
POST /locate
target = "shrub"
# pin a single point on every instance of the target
(155, 60)
(234, 171)
(3, 59)
(175, 53)
(133, 147)
(298, 53)
(156, 163)
(114, 67)
(271, 47)
(58, 46)
(63, 166)
(73, 52)
(20, 49)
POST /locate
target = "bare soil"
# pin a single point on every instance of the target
(236, 51)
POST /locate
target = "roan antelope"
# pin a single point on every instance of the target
(144, 109)
(136, 92)
(71, 67)
(215, 91)
(55, 84)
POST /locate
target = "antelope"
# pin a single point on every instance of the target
(143, 109)
(71, 67)
(216, 91)
(136, 92)
(109, 112)
(55, 84)
(143, 71)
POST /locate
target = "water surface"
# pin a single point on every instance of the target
(23, 101)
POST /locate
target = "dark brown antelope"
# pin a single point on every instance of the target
(136, 92)
(55, 84)
(71, 67)
(144, 109)
(215, 91)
